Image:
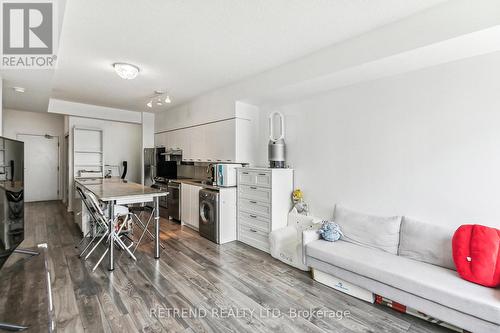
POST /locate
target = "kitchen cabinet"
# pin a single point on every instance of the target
(221, 141)
(190, 203)
(197, 138)
(161, 140)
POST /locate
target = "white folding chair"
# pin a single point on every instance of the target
(112, 235)
(136, 211)
(96, 226)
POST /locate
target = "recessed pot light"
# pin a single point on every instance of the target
(126, 71)
(19, 89)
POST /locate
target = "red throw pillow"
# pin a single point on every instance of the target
(476, 253)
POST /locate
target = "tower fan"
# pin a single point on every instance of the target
(276, 146)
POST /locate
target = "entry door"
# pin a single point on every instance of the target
(41, 161)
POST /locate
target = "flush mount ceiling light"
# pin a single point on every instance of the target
(126, 71)
(19, 89)
(159, 99)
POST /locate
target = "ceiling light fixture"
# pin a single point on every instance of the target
(126, 71)
(19, 89)
(159, 99)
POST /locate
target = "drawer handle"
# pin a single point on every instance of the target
(253, 230)
(245, 173)
(253, 202)
(253, 187)
(262, 174)
(253, 216)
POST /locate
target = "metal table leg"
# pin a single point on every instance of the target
(157, 227)
(111, 244)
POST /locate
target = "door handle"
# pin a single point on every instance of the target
(253, 230)
(253, 216)
(253, 202)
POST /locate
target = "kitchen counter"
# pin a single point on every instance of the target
(196, 182)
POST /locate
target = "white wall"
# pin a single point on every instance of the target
(22, 122)
(424, 144)
(405, 40)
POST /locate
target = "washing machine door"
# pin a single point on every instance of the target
(206, 213)
(208, 220)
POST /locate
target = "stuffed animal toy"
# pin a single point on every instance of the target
(299, 206)
(330, 231)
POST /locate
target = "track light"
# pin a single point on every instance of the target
(159, 99)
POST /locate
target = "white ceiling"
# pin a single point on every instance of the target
(192, 46)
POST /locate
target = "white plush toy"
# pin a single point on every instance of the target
(286, 243)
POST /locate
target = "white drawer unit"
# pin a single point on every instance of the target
(264, 200)
(255, 193)
(254, 237)
(255, 178)
(257, 221)
(255, 207)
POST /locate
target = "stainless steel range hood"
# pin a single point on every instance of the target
(172, 152)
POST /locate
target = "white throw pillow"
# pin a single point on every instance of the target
(426, 242)
(367, 230)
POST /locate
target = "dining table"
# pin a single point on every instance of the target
(116, 191)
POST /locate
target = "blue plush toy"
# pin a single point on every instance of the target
(330, 231)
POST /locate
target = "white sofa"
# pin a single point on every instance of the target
(407, 261)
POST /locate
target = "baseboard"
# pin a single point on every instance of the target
(343, 286)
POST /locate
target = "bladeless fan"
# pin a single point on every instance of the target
(276, 146)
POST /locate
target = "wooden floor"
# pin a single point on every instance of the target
(194, 275)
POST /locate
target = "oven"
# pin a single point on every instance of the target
(174, 200)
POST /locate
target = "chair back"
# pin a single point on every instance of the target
(86, 202)
(95, 207)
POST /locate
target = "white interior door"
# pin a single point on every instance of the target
(41, 161)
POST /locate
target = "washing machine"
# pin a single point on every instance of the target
(209, 214)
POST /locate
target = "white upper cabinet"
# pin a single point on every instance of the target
(198, 143)
(221, 137)
(161, 139)
(221, 141)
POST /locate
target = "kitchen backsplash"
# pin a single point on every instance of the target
(192, 171)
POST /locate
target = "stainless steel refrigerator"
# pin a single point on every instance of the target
(149, 166)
